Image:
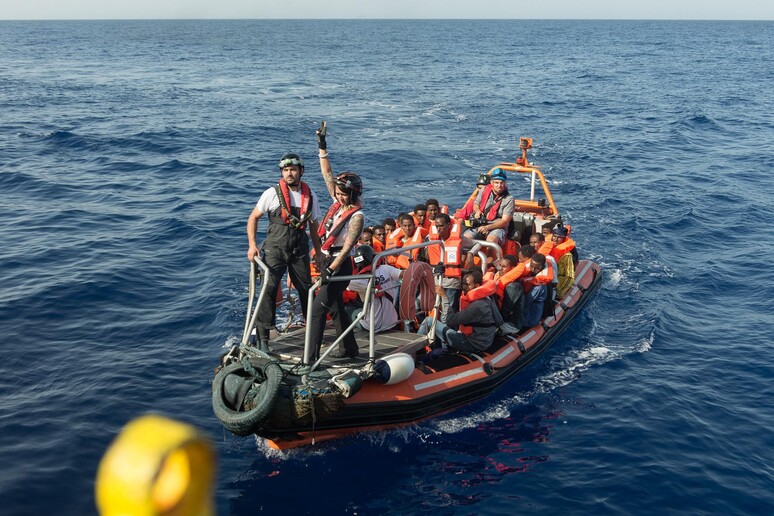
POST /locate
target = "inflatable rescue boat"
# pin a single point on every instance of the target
(291, 400)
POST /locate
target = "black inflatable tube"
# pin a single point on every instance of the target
(246, 423)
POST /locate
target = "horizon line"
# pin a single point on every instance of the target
(390, 19)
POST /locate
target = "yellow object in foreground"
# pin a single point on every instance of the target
(156, 466)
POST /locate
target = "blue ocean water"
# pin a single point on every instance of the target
(131, 153)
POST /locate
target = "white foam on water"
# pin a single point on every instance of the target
(563, 371)
(614, 277)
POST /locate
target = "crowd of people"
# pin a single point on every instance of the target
(519, 288)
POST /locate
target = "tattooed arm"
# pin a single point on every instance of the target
(325, 163)
(354, 228)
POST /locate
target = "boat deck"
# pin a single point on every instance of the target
(290, 345)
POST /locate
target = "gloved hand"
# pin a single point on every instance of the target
(321, 144)
(325, 275)
(439, 269)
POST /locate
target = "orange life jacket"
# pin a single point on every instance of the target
(543, 277)
(330, 235)
(452, 251)
(432, 233)
(416, 221)
(403, 260)
(512, 275)
(467, 210)
(485, 290)
(394, 240)
(545, 248)
(377, 245)
(559, 249)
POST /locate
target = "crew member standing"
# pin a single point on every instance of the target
(340, 230)
(291, 206)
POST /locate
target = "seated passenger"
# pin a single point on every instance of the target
(541, 245)
(538, 242)
(510, 292)
(502, 266)
(433, 209)
(386, 278)
(406, 234)
(457, 254)
(473, 328)
(366, 237)
(466, 211)
(420, 215)
(546, 230)
(389, 225)
(379, 238)
(493, 208)
(536, 290)
(523, 301)
(565, 256)
(562, 243)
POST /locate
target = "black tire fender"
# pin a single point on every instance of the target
(247, 422)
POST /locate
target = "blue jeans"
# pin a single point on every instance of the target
(451, 300)
(448, 337)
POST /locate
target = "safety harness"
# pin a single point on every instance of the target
(330, 232)
(305, 211)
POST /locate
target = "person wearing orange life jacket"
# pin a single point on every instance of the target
(379, 238)
(457, 254)
(473, 328)
(433, 209)
(291, 206)
(501, 267)
(509, 291)
(536, 289)
(420, 215)
(389, 225)
(525, 288)
(406, 234)
(340, 230)
(466, 211)
(495, 206)
(386, 283)
(565, 255)
(538, 242)
(563, 243)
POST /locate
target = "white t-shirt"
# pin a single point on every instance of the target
(387, 278)
(269, 201)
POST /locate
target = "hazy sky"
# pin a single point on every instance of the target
(571, 9)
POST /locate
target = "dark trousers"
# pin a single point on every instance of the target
(329, 300)
(278, 261)
(534, 303)
(513, 303)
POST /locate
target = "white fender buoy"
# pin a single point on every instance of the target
(394, 368)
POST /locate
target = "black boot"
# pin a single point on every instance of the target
(340, 352)
(263, 339)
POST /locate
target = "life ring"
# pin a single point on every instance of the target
(418, 277)
(247, 422)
